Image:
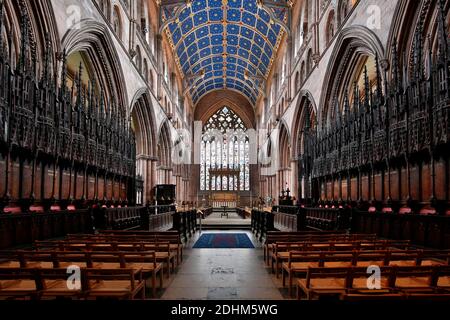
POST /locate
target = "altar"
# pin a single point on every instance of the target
(224, 199)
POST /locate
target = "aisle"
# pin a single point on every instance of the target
(222, 274)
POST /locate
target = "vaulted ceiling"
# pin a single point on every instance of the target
(224, 44)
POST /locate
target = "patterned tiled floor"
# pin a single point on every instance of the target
(223, 274)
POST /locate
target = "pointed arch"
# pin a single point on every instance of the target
(305, 100)
(94, 39)
(144, 123)
(42, 26)
(164, 153)
(352, 42)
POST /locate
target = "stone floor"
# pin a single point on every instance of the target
(233, 219)
(223, 274)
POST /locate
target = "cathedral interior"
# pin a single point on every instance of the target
(309, 138)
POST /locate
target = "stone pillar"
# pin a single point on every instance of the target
(154, 174)
(148, 175)
(294, 178)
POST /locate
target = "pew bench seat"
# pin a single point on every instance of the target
(114, 283)
(293, 269)
(444, 283)
(413, 283)
(18, 283)
(320, 287)
(10, 286)
(58, 288)
(114, 288)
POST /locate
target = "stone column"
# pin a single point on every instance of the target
(294, 178)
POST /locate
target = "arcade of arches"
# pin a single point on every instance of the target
(208, 104)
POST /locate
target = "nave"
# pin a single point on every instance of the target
(224, 149)
(223, 274)
(299, 265)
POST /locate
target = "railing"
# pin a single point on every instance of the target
(18, 229)
(423, 230)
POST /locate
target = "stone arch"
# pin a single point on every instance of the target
(93, 38)
(284, 143)
(144, 123)
(213, 101)
(408, 17)
(164, 152)
(41, 24)
(144, 127)
(351, 42)
(305, 100)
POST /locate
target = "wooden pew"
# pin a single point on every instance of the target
(119, 283)
(144, 261)
(280, 250)
(300, 261)
(52, 283)
(319, 237)
(162, 250)
(172, 237)
(322, 281)
(350, 283)
(18, 283)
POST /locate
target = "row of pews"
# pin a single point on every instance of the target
(19, 229)
(336, 264)
(423, 230)
(111, 264)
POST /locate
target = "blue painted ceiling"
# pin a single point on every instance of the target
(224, 40)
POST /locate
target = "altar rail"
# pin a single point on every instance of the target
(423, 230)
(17, 229)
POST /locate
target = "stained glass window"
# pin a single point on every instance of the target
(225, 153)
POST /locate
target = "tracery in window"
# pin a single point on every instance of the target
(225, 161)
